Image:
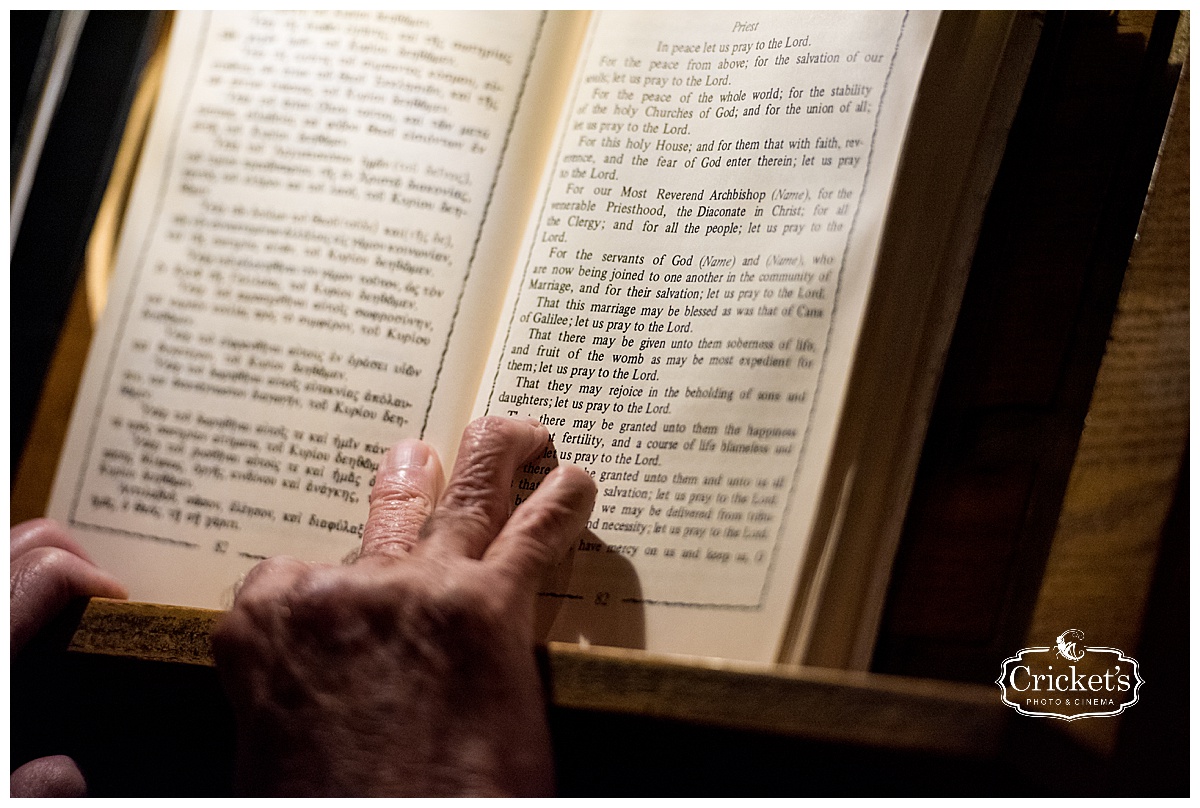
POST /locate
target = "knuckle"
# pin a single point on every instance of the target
(399, 536)
(262, 573)
(531, 556)
(342, 606)
(479, 466)
(551, 514)
(270, 608)
(486, 429)
(317, 585)
(401, 492)
(466, 606)
(473, 623)
(487, 441)
(261, 591)
(465, 513)
(399, 516)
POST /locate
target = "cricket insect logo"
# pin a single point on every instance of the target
(1066, 643)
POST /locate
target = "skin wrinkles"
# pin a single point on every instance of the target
(408, 671)
(491, 451)
(401, 509)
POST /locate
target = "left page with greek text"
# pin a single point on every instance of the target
(308, 236)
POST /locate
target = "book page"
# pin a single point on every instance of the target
(685, 315)
(303, 228)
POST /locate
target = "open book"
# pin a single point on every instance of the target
(715, 253)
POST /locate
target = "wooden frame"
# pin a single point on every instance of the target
(844, 707)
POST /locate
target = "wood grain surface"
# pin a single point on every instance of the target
(873, 710)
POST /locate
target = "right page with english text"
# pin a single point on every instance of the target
(685, 310)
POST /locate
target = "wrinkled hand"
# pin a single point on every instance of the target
(47, 570)
(411, 671)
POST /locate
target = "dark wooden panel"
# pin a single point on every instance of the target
(1027, 347)
(956, 580)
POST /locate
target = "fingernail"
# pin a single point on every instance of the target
(529, 419)
(405, 456)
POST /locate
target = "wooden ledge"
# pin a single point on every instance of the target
(860, 709)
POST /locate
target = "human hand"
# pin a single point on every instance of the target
(411, 671)
(47, 570)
